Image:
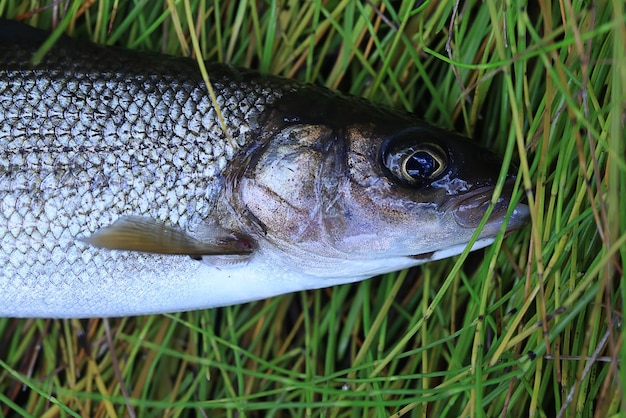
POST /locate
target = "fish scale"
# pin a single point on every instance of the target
(113, 142)
(121, 193)
(75, 133)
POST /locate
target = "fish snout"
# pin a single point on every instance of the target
(469, 211)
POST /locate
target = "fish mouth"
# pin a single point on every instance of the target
(469, 211)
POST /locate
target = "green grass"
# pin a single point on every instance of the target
(531, 326)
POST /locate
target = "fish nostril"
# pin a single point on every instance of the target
(470, 211)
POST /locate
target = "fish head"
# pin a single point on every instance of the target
(372, 200)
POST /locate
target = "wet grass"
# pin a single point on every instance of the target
(531, 326)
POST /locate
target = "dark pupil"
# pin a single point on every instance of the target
(420, 165)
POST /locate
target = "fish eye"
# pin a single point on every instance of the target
(415, 165)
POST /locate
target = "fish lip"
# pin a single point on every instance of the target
(470, 209)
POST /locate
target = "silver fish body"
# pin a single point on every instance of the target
(123, 193)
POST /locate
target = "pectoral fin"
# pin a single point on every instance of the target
(136, 233)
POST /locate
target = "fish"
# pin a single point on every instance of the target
(126, 190)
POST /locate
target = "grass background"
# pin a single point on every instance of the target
(531, 326)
